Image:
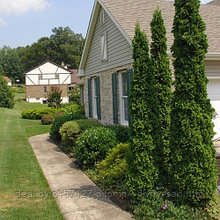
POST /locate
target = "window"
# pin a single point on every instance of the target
(56, 75)
(45, 89)
(104, 55)
(102, 17)
(40, 76)
(123, 95)
(94, 97)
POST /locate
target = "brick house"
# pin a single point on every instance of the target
(107, 56)
(42, 79)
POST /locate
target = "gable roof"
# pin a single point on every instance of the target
(48, 61)
(125, 14)
(215, 2)
(74, 78)
(6, 79)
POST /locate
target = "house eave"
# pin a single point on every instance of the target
(80, 73)
(209, 56)
(92, 23)
(212, 56)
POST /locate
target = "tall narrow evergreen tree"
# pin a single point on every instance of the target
(142, 172)
(163, 82)
(193, 172)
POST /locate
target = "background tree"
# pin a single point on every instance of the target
(6, 95)
(2, 73)
(36, 53)
(163, 82)
(74, 95)
(193, 170)
(11, 63)
(142, 170)
(62, 46)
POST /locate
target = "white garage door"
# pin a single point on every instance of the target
(214, 95)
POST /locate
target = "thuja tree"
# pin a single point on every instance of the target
(163, 81)
(6, 95)
(193, 171)
(142, 170)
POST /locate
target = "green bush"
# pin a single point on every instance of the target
(73, 109)
(71, 129)
(74, 95)
(47, 119)
(54, 97)
(59, 121)
(38, 113)
(111, 172)
(154, 206)
(163, 81)
(142, 168)
(6, 95)
(193, 171)
(93, 144)
(122, 132)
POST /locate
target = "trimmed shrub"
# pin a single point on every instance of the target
(122, 133)
(38, 113)
(47, 119)
(163, 82)
(6, 95)
(154, 206)
(74, 95)
(59, 121)
(193, 171)
(93, 144)
(70, 131)
(74, 109)
(142, 168)
(111, 172)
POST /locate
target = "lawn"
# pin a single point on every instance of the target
(24, 191)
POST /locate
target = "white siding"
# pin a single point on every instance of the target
(119, 52)
(48, 68)
(48, 74)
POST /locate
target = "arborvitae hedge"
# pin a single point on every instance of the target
(193, 171)
(163, 82)
(6, 95)
(142, 171)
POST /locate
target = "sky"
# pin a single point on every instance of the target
(23, 22)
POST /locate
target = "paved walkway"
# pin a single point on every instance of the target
(77, 196)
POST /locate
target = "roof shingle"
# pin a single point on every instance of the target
(128, 12)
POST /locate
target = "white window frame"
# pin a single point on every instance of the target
(121, 101)
(103, 47)
(94, 99)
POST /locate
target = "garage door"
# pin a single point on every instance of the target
(214, 95)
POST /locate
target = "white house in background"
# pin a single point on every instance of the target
(9, 82)
(45, 77)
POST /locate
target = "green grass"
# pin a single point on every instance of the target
(20, 171)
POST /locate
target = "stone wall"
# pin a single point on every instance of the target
(38, 91)
(106, 93)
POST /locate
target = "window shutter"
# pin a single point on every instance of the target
(129, 80)
(89, 98)
(115, 100)
(98, 97)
